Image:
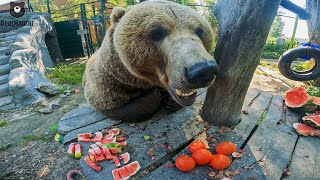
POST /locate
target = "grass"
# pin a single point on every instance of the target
(3, 123)
(67, 74)
(34, 138)
(261, 73)
(313, 91)
(54, 127)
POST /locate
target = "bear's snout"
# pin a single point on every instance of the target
(202, 73)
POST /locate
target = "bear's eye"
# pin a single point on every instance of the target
(158, 33)
(199, 31)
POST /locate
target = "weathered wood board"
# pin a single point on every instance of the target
(305, 163)
(272, 143)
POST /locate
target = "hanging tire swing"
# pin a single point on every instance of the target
(289, 56)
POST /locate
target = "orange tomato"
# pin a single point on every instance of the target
(185, 163)
(196, 145)
(226, 148)
(202, 156)
(220, 161)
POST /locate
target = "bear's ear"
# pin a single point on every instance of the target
(22, 4)
(117, 14)
(12, 4)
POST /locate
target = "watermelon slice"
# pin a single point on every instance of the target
(124, 174)
(108, 141)
(131, 170)
(96, 149)
(92, 164)
(116, 131)
(296, 97)
(114, 148)
(135, 165)
(110, 135)
(106, 153)
(312, 121)
(306, 130)
(122, 144)
(99, 144)
(121, 139)
(125, 157)
(116, 160)
(116, 175)
(71, 149)
(92, 155)
(315, 100)
(85, 135)
(98, 137)
(78, 151)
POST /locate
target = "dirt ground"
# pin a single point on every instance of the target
(27, 146)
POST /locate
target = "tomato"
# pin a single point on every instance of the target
(185, 163)
(220, 161)
(226, 148)
(196, 145)
(202, 156)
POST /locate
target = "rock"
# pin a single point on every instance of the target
(68, 94)
(63, 96)
(45, 110)
(48, 89)
(55, 105)
(67, 91)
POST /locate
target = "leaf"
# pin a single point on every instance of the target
(145, 137)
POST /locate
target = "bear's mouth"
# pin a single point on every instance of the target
(184, 97)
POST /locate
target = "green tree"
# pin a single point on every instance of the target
(277, 27)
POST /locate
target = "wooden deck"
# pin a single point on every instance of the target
(270, 143)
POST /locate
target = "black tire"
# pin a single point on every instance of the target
(289, 56)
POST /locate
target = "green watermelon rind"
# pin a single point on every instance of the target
(308, 107)
(71, 149)
(311, 122)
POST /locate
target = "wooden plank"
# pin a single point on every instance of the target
(174, 130)
(254, 112)
(305, 159)
(251, 95)
(273, 143)
(202, 172)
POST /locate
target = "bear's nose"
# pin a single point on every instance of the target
(202, 72)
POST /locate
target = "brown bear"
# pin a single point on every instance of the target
(152, 46)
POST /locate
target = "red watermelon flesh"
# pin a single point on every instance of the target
(130, 170)
(125, 157)
(85, 135)
(116, 175)
(110, 135)
(296, 97)
(123, 173)
(71, 149)
(135, 165)
(108, 141)
(107, 153)
(92, 164)
(315, 119)
(98, 137)
(116, 160)
(315, 100)
(306, 130)
(96, 149)
(122, 144)
(84, 139)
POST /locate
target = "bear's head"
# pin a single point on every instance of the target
(17, 10)
(166, 44)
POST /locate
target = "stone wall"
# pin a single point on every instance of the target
(26, 60)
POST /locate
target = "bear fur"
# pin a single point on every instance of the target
(145, 53)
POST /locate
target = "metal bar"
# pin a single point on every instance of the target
(48, 6)
(94, 24)
(102, 13)
(294, 32)
(85, 26)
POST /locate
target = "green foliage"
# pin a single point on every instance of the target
(3, 123)
(54, 127)
(273, 51)
(277, 27)
(67, 74)
(313, 91)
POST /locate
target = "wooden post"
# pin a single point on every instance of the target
(243, 29)
(48, 7)
(313, 6)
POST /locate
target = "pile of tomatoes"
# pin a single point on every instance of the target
(202, 156)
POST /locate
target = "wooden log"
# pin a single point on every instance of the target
(243, 29)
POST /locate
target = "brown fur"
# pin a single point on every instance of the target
(123, 77)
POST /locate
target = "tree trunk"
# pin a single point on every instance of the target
(243, 29)
(313, 6)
